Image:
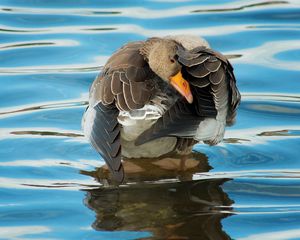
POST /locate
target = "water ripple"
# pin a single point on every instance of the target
(142, 12)
(265, 55)
(33, 44)
(244, 188)
(254, 5)
(44, 106)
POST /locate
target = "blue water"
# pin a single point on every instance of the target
(245, 188)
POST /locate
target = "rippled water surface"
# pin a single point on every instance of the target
(245, 188)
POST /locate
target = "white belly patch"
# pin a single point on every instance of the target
(133, 124)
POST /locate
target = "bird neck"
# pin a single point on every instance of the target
(148, 46)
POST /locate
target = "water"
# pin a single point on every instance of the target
(244, 188)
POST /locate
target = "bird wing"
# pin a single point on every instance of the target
(180, 120)
(103, 130)
(204, 67)
(213, 86)
(122, 85)
(125, 80)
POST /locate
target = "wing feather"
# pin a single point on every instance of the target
(215, 74)
(212, 66)
(124, 80)
(116, 85)
(103, 130)
(198, 71)
(179, 120)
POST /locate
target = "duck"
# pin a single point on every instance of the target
(158, 96)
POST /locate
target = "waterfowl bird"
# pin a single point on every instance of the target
(159, 96)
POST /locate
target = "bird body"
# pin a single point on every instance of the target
(158, 96)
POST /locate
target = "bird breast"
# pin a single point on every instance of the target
(136, 122)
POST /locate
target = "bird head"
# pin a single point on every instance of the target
(163, 62)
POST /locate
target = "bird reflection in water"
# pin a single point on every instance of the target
(176, 207)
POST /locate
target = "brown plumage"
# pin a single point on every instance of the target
(140, 74)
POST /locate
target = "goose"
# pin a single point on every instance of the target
(159, 96)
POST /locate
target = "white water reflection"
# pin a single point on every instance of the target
(137, 29)
(21, 109)
(145, 13)
(253, 136)
(57, 184)
(70, 68)
(283, 174)
(271, 96)
(264, 55)
(40, 43)
(20, 232)
(79, 164)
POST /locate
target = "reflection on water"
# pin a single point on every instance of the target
(280, 133)
(45, 106)
(163, 190)
(242, 7)
(166, 168)
(184, 210)
(46, 133)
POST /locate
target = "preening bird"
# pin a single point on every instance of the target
(159, 96)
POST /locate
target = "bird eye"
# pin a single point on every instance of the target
(172, 60)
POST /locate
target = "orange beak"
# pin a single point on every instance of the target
(182, 86)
